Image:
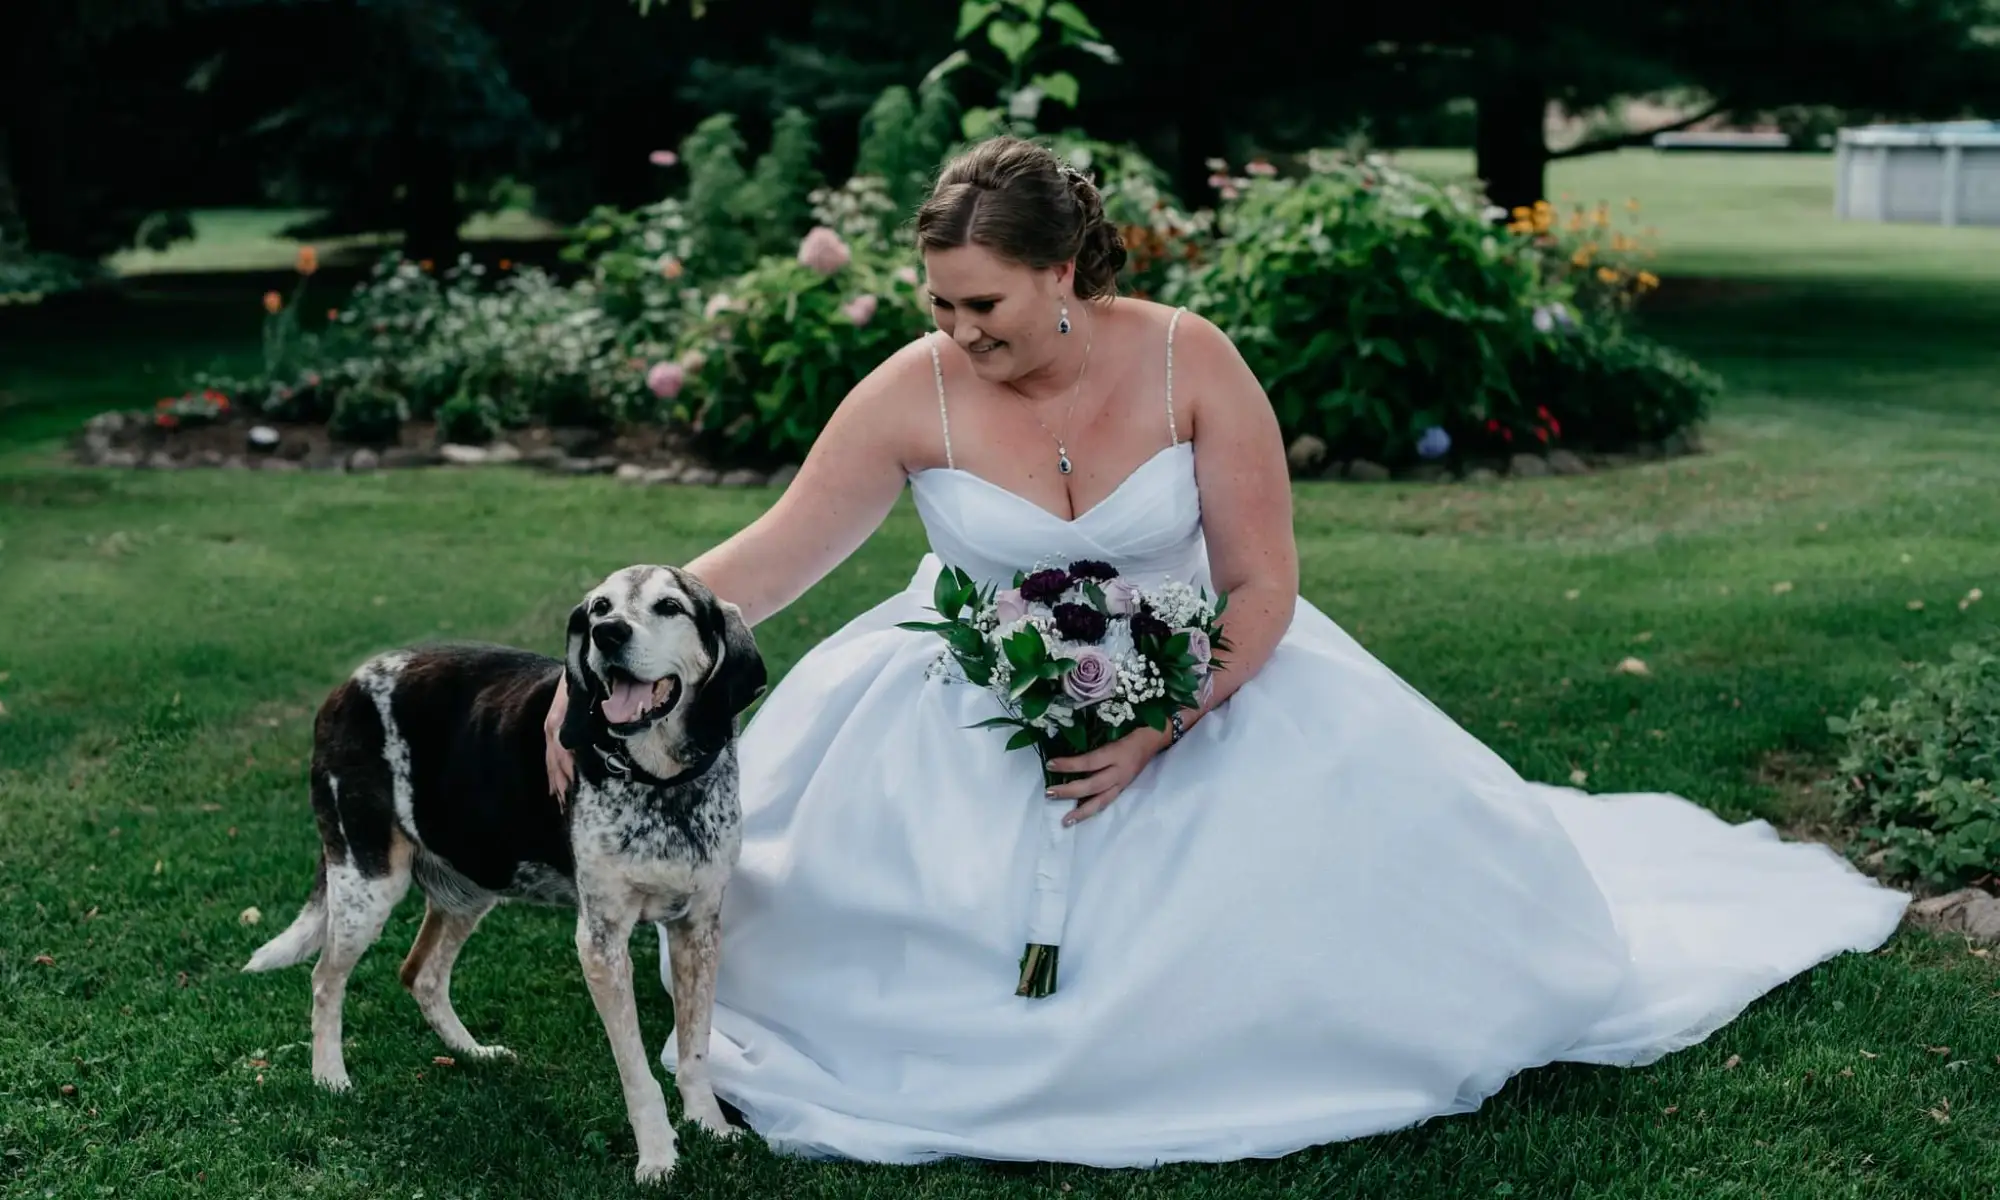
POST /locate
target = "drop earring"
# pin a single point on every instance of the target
(1062, 323)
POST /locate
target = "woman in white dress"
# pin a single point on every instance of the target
(1317, 910)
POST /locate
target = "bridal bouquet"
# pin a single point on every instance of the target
(1078, 657)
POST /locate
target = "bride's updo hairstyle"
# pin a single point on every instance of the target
(1021, 202)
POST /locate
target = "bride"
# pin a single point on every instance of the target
(1313, 909)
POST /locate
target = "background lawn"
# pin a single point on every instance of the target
(167, 635)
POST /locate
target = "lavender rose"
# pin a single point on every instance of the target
(1122, 597)
(1198, 646)
(1009, 606)
(1080, 622)
(1206, 691)
(1093, 678)
(1044, 586)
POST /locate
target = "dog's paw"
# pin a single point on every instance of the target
(333, 1081)
(655, 1172)
(709, 1116)
(490, 1053)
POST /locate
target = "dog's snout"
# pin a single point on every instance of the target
(611, 635)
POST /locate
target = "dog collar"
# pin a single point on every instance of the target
(618, 766)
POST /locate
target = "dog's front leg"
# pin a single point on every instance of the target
(693, 947)
(603, 946)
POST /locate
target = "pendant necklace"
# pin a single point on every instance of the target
(1063, 463)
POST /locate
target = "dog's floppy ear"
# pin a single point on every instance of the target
(582, 685)
(735, 680)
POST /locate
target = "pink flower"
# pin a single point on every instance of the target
(1260, 167)
(1198, 646)
(907, 275)
(1121, 597)
(717, 304)
(665, 379)
(1093, 678)
(1230, 193)
(861, 309)
(693, 361)
(663, 158)
(823, 251)
(1009, 606)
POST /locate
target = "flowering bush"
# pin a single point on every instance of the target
(642, 267)
(27, 277)
(1077, 657)
(1387, 315)
(779, 347)
(1163, 241)
(1583, 252)
(195, 407)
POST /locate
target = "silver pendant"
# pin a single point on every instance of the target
(1062, 463)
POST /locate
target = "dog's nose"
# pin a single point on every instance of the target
(611, 635)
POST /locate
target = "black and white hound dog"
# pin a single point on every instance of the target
(428, 764)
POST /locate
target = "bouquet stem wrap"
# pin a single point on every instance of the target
(1048, 907)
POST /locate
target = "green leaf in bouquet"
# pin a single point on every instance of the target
(998, 723)
(1022, 740)
(1076, 737)
(1034, 704)
(1175, 648)
(1020, 577)
(1025, 650)
(1096, 596)
(1155, 713)
(945, 595)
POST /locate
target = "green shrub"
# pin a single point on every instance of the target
(783, 344)
(468, 419)
(369, 413)
(27, 277)
(1922, 772)
(1389, 316)
(641, 264)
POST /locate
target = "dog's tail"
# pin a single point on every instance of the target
(303, 937)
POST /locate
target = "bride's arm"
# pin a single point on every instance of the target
(1246, 500)
(844, 490)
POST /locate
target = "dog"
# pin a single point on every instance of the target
(428, 766)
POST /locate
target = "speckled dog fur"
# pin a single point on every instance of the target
(428, 768)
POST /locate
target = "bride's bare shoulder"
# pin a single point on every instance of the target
(894, 406)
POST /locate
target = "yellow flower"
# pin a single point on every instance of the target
(1575, 223)
(1620, 243)
(1520, 214)
(1521, 226)
(1582, 257)
(1607, 275)
(1648, 281)
(273, 302)
(1632, 204)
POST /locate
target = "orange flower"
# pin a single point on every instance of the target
(165, 404)
(671, 267)
(333, 314)
(426, 264)
(308, 260)
(506, 264)
(1607, 275)
(273, 302)
(1648, 281)
(1582, 257)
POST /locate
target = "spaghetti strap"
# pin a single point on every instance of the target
(944, 415)
(1173, 433)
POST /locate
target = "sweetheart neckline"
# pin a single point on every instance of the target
(1113, 494)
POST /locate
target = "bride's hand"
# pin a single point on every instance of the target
(1106, 772)
(560, 762)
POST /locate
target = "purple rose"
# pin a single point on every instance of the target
(1009, 606)
(1093, 678)
(1044, 586)
(1198, 646)
(1206, 692)
(1080, 622)
(1122, 597)
(1090, 568)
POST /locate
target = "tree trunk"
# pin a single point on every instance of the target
(430, 209)
(1510, 142)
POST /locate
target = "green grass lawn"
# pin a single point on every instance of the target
(168, 634)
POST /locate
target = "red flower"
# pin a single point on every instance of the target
(166, 420)
(1507, 434)
(1543, 412)
(1541, 433)
(1555, 427)
(1493, 427)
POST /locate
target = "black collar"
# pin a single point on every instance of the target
(619, 765)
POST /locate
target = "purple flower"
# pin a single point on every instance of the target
(1093, 678)
(1434, 443)
(1044, 586)
(1008, 606)
(1198, 646)
(1090, 568)
(1206, 692)
(1122, 597)
(1080, 623)
(1145, 624)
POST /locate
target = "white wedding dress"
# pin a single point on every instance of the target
(1328, 912)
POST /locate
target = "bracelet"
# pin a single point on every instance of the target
(1179, 729)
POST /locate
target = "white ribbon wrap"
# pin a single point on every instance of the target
(1049, 905)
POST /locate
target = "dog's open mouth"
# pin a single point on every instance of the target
(632, 703)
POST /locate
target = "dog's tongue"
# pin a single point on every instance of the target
(627, 702)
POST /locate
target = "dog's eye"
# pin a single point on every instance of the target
(667, 606)
(600, 606)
